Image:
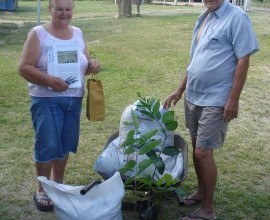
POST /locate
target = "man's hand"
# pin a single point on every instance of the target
(172, 99)
(231, 110)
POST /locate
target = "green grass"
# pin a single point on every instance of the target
(262, 3)
(146, 54)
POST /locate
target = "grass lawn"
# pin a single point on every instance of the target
(146, 54)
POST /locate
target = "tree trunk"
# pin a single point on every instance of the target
(124, 8)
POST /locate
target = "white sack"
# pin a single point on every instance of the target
(113, 157)
(103, 201)
(146, 124)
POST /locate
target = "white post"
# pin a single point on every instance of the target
(38, 13)
(247, 4)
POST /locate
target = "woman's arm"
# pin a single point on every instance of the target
(27, 65)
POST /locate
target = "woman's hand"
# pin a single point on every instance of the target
(58, 84)
(93, 66)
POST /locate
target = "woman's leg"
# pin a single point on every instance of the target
(58, 170)
(43, 169)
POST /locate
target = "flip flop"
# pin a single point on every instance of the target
(199, 217)
(193, 202)
(44, 208)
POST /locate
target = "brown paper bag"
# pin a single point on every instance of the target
(95, 105)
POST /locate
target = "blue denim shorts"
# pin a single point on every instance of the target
(56, 121)
(206, 125)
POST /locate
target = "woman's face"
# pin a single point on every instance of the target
(61, 11)
(213, 5)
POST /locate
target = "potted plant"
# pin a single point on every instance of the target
(157, 184)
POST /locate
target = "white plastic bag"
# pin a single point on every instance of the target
(102, 202)
(146, 124)
(113, 157)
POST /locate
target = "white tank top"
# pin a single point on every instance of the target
(46, 39)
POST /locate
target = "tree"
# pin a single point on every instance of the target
(124, 8)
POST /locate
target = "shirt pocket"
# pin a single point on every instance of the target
(215, 42)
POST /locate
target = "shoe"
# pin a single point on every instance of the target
(190, 201)
(44, 208)
(198, 217)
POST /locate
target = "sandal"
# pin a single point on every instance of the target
(190, 202)
(198, 217)
(41, 207)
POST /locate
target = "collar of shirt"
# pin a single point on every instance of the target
(219, 12)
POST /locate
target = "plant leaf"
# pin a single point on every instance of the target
(143, 103)
(129, 166)
(143, 165)
(128, 123)
(148, 146)
(159, 164)
(155, 109)
(147, 113)
(168, 117)
(144, 181)
(129, 141)
(135, 120)
(123, 170)
(171, 151)
(129, 150)
(159, 182)
(151, 101)
(167, 179)
(129, 183)
(149, 134)
(152, 154)
(171, 126)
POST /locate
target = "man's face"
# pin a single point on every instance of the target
(212, 5)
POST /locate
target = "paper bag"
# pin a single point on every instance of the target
(95, 104)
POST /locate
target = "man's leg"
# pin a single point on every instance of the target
(198, 195)
(138, 9)
(206, 171)
(208, 177)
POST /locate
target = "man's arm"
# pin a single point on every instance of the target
(231, 107)
(176, 96)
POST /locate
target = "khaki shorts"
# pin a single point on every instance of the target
(206, 124)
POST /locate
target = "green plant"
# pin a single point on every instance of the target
(143, 143)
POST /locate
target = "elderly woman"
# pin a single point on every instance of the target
(54, 61)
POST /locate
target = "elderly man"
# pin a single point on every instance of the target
(222, 42)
